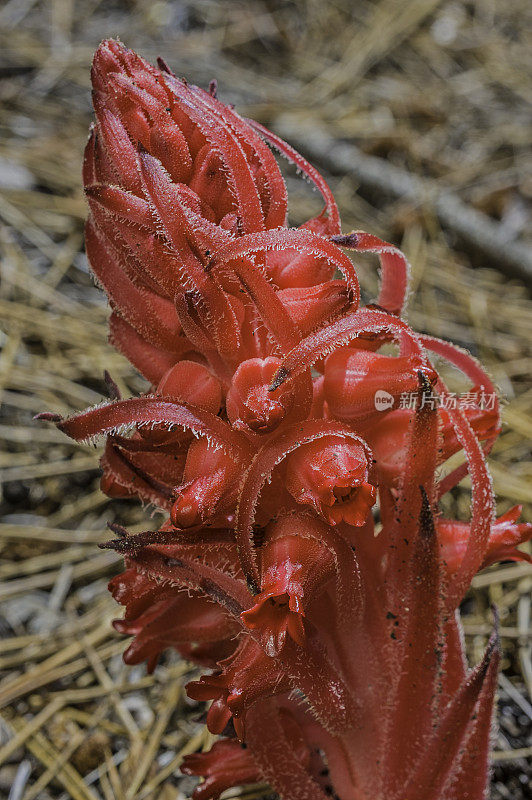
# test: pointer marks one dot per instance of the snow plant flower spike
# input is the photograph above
(273, 428)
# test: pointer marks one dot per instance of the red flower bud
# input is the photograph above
(249, 403)
(354, 377)
(192, 383)
(112, 488)
(207, 488)
(311, 306)
(188, 382)
(291, 268)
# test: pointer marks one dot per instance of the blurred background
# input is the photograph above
(419, 114)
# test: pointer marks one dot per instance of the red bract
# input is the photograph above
(333, 640)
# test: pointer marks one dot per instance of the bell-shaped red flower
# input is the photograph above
(331, 475)
(245, 677)
(295, 565)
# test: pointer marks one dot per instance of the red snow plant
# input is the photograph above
(294, 438)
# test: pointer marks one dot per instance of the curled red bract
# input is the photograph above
(304, 561)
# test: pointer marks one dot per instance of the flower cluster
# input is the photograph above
(304, 563)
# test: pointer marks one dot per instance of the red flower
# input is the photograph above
(354, 376)
(333, 640)
(208, 486)
(388, 436)
(295, 565)
(228, 763)
(250, 405)
(171, 618)
(243, 678)
(332, 476)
